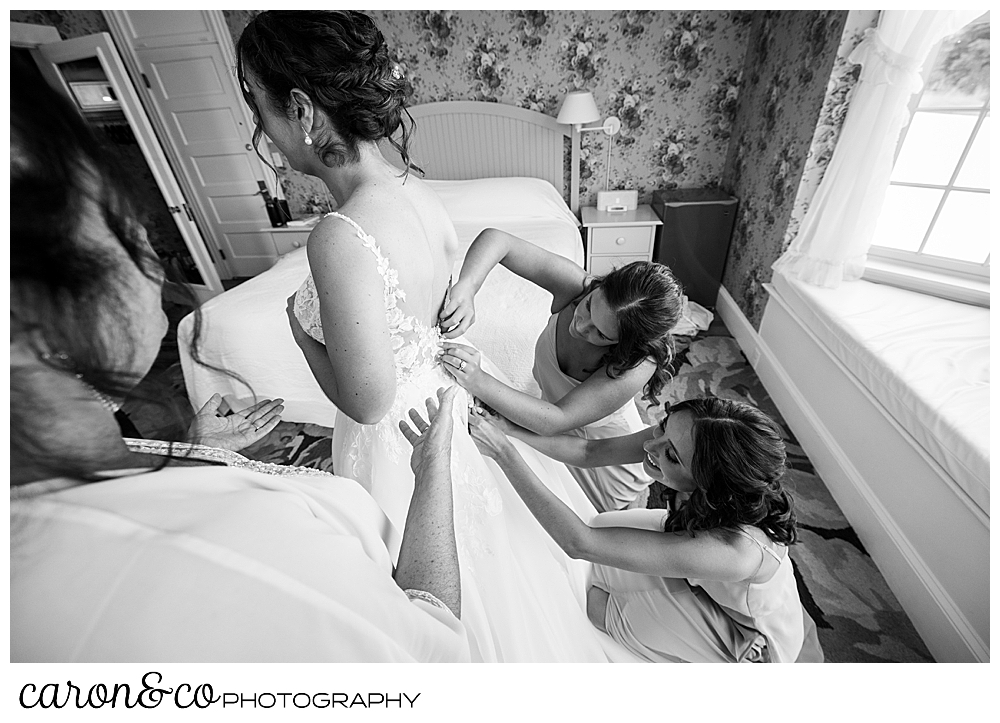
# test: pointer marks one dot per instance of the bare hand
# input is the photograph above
(459, 312)
(431, 439)
(482, 409)
(237, 430)
(488, 433)
(463, 364)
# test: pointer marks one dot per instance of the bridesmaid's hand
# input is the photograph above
(463, 363)
(459, 312)
(488, 436)
(484, 411)
(431, 439)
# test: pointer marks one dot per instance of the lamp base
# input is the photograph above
(614, 201)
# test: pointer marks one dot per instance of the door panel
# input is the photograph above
(201, 113)
(96, 55)
(158, 28)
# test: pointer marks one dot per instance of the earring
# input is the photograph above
(309, 140)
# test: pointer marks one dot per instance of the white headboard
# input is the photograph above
(458, 140)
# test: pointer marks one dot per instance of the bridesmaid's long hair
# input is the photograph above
(738, 465)
(646, 300)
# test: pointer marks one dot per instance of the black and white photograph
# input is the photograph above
(495, 336)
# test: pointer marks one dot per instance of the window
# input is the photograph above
(934, 224)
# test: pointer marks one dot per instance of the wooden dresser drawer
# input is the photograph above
(600, 265)
(287, 241)
(622, 240)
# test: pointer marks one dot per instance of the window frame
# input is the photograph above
(962, 280)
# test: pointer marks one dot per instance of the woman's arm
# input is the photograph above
(359, 373)
(554, 273)
(580, 452)
(428, 554)
(595, 398)
(708, 556)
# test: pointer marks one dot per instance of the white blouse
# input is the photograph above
(213, 564)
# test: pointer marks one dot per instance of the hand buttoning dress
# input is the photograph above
(522, 597)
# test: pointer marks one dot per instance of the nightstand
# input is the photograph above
(616, 239)
(289, 238)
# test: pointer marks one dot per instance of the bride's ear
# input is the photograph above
(302, 107)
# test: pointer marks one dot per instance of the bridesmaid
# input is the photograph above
(710, 581)
(608, 339)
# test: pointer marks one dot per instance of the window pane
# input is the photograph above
(962, 230)
(906, 215)
(961, 73)
(975, 171)
(934, 142)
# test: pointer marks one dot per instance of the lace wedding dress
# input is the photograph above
(523, 599)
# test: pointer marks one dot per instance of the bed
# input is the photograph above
(493, 166)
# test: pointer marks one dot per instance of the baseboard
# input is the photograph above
(739, 326)
(942, 625)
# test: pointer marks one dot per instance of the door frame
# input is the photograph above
(117, 22)
(34, 37)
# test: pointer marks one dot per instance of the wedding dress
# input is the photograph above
(523, 598)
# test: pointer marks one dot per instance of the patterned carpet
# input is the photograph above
(857, 616)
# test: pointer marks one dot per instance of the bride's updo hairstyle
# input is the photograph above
(738, 465)
(340, 60)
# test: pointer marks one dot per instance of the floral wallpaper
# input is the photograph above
(69, 23)
(673, 78)
(785, 83)
(726, 99)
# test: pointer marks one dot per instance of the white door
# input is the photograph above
(57, 59)
(189, 79)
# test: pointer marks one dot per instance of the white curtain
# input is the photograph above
(832, 244)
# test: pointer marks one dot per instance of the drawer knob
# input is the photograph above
(296, 244)
(620, 240)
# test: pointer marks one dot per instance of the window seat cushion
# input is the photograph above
(925, 359)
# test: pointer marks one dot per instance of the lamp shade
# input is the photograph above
(578, 107)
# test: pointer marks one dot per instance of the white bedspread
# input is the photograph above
(245, 330)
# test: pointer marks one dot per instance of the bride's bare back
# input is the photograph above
(380, 268)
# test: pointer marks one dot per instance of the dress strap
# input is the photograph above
(361, 232)
(389, 276)
(761, 545)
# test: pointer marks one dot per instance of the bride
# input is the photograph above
(322, 87)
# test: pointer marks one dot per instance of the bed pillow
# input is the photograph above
(516, 197)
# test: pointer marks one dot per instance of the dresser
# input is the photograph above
(616, 239)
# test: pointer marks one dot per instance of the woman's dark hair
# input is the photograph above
(646, 300)
(63, 288)
(738, 463)
(340, 60)
(67, 295)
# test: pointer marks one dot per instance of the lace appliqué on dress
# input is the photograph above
(476, 498)
(415, 348)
